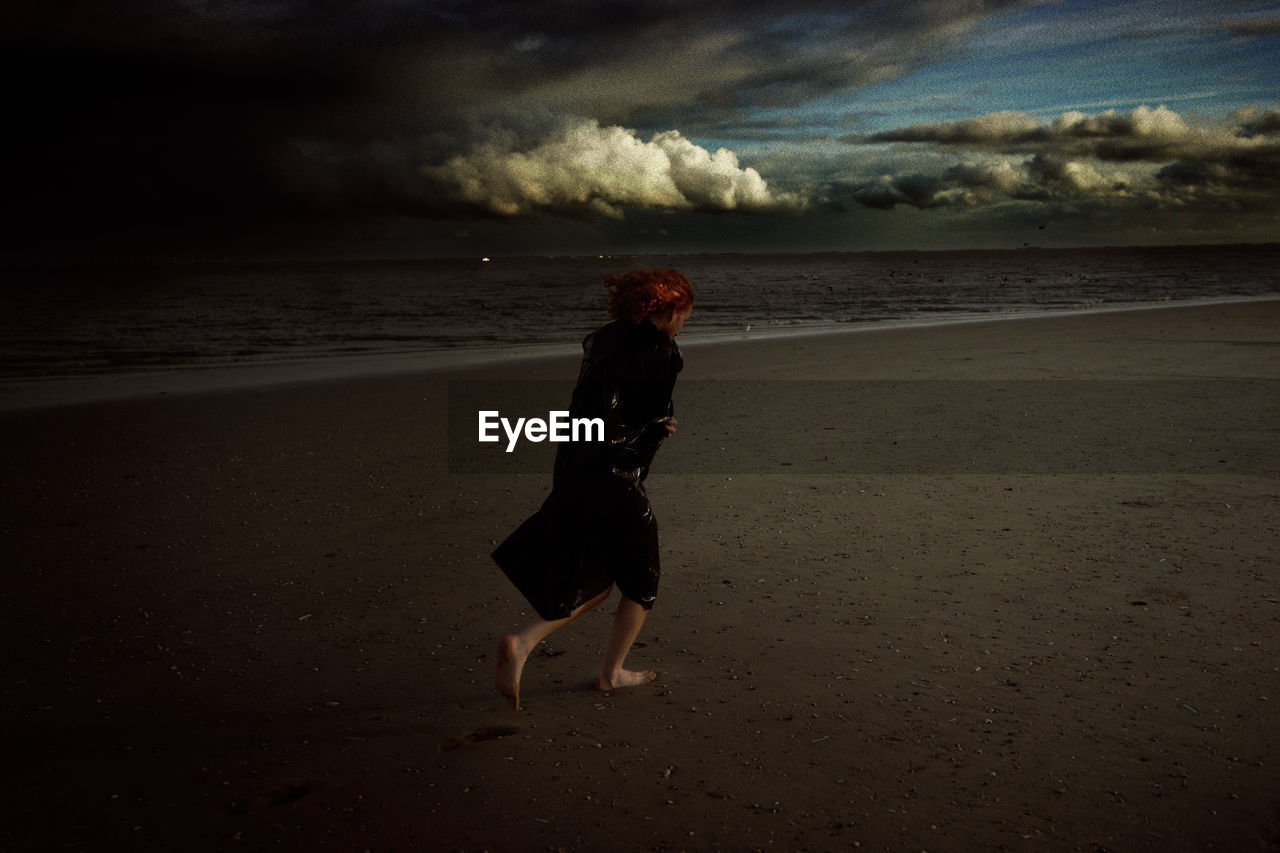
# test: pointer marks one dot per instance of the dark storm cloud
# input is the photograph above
(1267, 124)
(994, 131)
(195, 110)
(1146, 157)
(1260, 26)
(966, 185)
(1141, 134)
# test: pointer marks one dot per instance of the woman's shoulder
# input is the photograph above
(629, 338)
(607, 337)
(656, 348)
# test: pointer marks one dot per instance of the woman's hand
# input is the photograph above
(671, 427)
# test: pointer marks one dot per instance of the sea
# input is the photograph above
(74, 322)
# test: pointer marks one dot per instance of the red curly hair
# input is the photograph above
(639, 293)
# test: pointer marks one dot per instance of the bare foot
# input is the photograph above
(510, 665)
(625, 678)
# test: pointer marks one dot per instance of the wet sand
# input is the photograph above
(266, 618)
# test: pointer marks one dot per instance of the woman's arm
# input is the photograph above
(640, 413)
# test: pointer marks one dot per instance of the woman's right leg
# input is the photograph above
(514, 649)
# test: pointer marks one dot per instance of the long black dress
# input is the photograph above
(596, 528)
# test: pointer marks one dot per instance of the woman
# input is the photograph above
(596, 528)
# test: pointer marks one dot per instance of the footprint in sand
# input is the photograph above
(272, 798)
(476, 735)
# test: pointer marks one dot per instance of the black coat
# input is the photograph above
(596, 528)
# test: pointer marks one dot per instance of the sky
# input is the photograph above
(423, 128)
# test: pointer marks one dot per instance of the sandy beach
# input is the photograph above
(1005, 585)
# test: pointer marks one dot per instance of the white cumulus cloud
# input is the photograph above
(584, 168)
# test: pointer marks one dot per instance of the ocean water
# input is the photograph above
(60, 323)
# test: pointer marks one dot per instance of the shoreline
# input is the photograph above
(18, 394)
